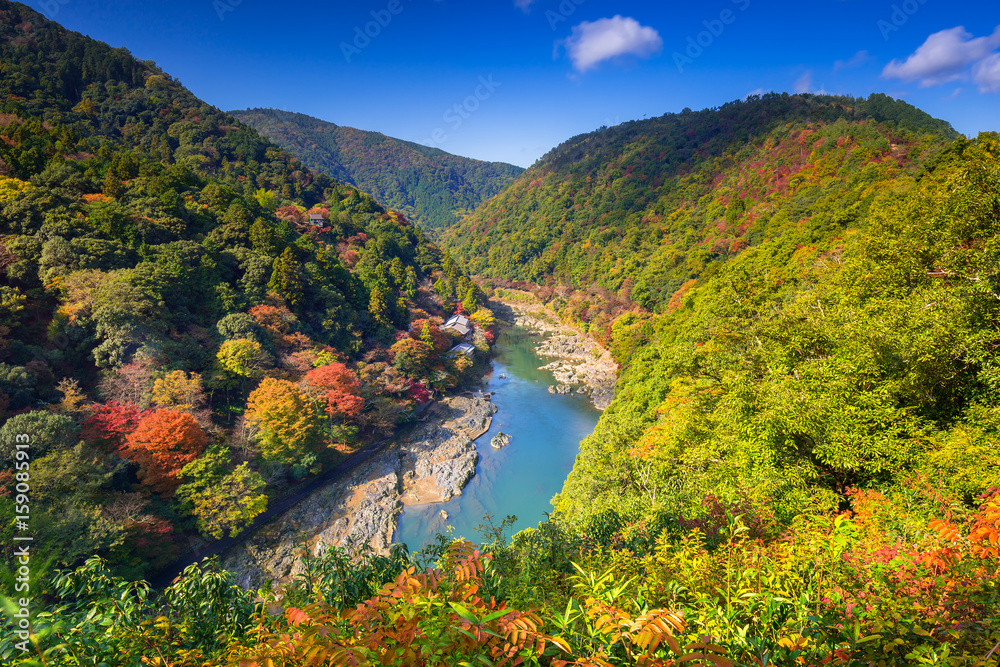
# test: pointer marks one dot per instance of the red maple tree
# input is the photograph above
(110, 423)
(162, 444)
(338, 387)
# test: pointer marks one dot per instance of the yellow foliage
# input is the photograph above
(178, 390)
(86, 107)
(78, 289)
(12, 187)
(484, 318)
(72, 399)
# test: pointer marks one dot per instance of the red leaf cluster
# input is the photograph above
(111, 422)
(340, 388)
(162, 444)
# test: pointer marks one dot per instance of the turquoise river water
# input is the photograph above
(522, 477)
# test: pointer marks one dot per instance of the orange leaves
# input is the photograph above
(464, 560)
(90, 199)
(983, 540)
(439, 617)
(276, 320)
(608, 620)
(340, 387)
(519, 631)
(940, 561)
(656, 627)
(947, 532)
(985, 535)
(678, 297)
(163, 443)
(296, 616)
(416, 619)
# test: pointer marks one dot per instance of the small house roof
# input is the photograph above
(459, 319)
(459, 323)
(463, 348)
(460, 328)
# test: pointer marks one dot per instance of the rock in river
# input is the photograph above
(500, 440)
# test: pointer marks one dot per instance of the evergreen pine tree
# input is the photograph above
(112, 185)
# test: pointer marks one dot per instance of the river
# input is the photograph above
(521, 478)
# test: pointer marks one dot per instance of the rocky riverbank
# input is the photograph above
(581, 365)
(432, 462)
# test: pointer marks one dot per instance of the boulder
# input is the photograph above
(500, 440)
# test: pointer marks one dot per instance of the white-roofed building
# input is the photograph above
(459, 324)
(462, 348)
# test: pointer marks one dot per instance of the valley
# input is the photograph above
(713, 387)
(519, 479)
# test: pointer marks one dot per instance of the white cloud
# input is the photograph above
(858, 59)
(524, 5)
(756, 91)
(594, 42)
(943, 57)
(986, 74)
(804, 83)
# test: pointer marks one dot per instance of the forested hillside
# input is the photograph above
(433, 188)
(648, 205)
(180, 343)
(802, 295)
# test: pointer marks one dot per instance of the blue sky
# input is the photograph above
(510, 79)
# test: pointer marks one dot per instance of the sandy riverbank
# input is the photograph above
(432, 462)
(581, 365)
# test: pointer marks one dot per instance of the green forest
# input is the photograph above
(432, 188)
(801, 465)
(183, 343)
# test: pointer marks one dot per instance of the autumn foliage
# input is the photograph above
(111, 422)
(429, 332)
(288, 418)
(178, 390)
(162, 444)
(339, 388)
(446, 616)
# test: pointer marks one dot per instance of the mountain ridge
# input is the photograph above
(578, 212)
(428, 184)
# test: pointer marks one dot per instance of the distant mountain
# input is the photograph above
(432, 187)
